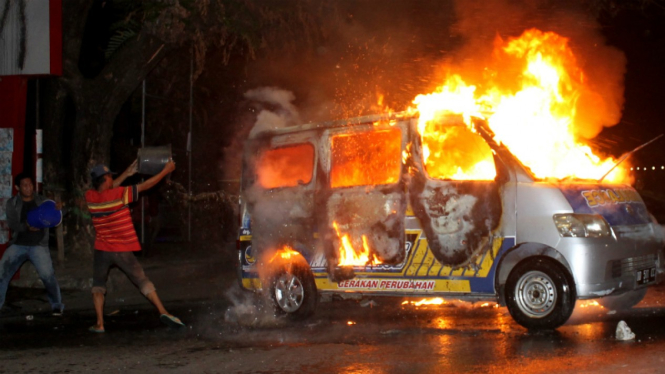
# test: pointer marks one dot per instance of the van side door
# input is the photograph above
(454, 191)
(364, 195)
(278, 186)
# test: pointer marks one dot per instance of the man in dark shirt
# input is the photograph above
(28, 243)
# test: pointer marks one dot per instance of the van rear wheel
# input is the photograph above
(539, 295)
(293, 291)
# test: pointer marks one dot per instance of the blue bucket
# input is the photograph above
(45, 215)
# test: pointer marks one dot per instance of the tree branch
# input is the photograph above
(75, 15)
(126, 69)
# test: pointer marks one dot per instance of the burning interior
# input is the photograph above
(369, 158)
(286, 166)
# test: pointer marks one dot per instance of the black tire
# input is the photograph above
(624, 301)
(293, 291)
(539, 294)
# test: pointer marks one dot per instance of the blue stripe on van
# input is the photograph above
(618, 204)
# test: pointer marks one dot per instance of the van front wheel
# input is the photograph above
(539, 295)
(293, 291)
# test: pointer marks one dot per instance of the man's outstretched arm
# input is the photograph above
(131, 170)
(169, 167)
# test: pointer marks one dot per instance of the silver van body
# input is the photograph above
(532, 245)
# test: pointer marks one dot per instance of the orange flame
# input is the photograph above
(285, 166)
(428, 301)
(589, 303)
(348, 256)
(284, 253)
(366, 158)
(533, 113)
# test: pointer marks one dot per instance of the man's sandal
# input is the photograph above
(171, 321)
(95, 329)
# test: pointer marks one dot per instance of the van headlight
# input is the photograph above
(581, 225)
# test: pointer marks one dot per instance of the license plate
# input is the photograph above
(645, 276)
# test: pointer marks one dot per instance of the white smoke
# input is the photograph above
(250, 309)
(279, 113)
(276, 110)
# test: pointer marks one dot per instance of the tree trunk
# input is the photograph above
(56, 142)
(91, 105)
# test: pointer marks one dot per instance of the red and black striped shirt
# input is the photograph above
(111, 219)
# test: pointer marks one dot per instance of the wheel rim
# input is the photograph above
(289, 292)
(535, 294)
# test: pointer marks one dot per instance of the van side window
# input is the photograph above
(456, 153)
(366, 158)
(285, 166)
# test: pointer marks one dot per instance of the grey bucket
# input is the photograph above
(153, 159)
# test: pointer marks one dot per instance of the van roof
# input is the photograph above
(405, 115)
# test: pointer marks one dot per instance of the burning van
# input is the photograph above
(370, 206)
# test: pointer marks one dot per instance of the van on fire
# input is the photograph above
(366, 206)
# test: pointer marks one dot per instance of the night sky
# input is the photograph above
(641, 36)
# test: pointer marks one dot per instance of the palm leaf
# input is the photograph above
(120, 37)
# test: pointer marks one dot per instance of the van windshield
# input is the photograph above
(456, 153)
(366, 158)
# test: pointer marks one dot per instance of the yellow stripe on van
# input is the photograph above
(445, 285)
(457, 272)
(489, 258)
(445, 271)
(427, 263)
(325, 284)
(391, 285)
(481, 262)
(418, 255)
(434, 270)
(251, 283)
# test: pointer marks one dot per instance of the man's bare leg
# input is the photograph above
(164, 316)
(154, 299)
(98, 300)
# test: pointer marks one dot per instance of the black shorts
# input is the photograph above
(125, 261)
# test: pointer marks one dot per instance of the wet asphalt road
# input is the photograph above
(344, 336)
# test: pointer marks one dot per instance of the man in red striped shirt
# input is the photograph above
(116, 238)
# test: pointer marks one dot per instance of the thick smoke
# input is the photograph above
(275, 110)
(278, 110)
(274, 226)
(250, 309)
